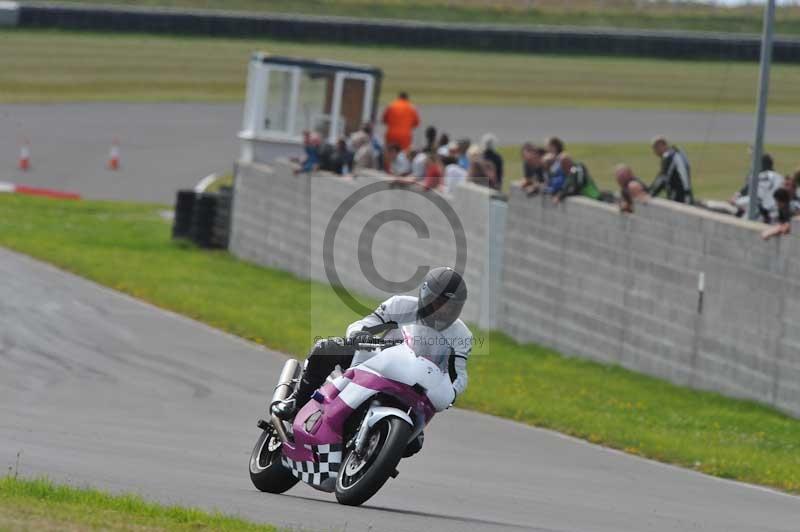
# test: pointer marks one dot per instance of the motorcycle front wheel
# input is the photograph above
(360, 477)
(267, 472)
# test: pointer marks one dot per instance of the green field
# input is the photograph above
(613, 13)
(718, 170)
(127, 247)
(106, 67)
(41, 506)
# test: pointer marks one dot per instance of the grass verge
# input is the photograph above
(611, 13)
(718, 169)
(43, 506)
(127, 247)
(125, 67)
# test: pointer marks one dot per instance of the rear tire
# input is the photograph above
(360, 479)
(267, 472)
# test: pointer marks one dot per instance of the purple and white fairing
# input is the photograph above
(418, 383)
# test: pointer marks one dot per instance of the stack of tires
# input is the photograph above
(184, 207)
(221, 228)
(203, 217)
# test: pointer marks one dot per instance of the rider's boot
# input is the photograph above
(290, 406)
(323, 358)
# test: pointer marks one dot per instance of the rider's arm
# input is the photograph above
(397, 309)
(460, 384)
(461, 351)
(362, 324)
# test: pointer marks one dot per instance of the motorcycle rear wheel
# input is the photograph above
(267, 472)
(360, 478)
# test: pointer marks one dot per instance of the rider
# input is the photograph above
(441, 298)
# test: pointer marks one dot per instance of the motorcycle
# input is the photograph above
(350, 437)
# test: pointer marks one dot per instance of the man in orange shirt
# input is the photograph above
(401, 118)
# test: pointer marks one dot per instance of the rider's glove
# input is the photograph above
(362, 337)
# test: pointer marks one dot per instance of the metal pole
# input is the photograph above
(761, 112)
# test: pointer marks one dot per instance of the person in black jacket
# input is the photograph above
(674, 176)
(489, 144)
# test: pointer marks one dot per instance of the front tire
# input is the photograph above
(361, 477)
(267, 472)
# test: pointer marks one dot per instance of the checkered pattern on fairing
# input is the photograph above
(315, 473)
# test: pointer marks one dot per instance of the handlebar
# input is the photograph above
(379, 343)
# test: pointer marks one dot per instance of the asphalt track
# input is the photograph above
(167, 146)
(97, 388)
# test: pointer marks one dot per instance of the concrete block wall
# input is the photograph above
(280, 220)
(270, 219)
(578, 277)
(588, 281)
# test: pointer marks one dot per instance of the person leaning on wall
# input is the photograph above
(534, 173)
(785, 214)
(631, 188)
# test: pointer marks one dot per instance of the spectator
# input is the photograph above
(420, 158)
(454, 174)
(377, 147)
(631, 188)
(432, 179)
(558, 164)
(790, 183)
(400, 118)
(768, 182)
(430, 139)
(558, 167)
(481, 171)
(452, 151)
(311, 149)
(533, 170)
(579, 182)
(434, 173)
(419, 164)
(674, 175)
(363, 153)
(462, 147)
(489, 143)
(396, 161)
(783, 199)
(554, 146)
(340, 159)
(443, 145)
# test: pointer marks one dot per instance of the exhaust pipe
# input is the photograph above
(291, 372)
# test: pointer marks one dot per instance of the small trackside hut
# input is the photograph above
(286, 96)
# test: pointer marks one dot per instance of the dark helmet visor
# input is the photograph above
(440, 312)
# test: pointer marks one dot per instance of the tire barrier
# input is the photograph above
(532, 39)
(204, 218)
(201, 229)
(184, 206)
(221, 228)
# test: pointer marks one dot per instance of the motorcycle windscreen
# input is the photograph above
(428, 343)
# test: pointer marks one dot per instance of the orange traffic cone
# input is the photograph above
(113, 156)
(24, 156)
